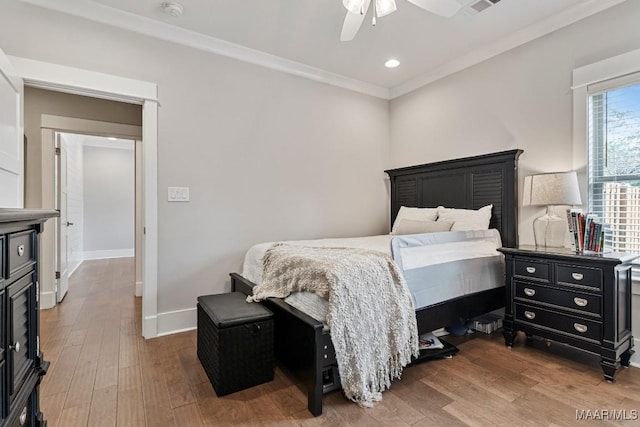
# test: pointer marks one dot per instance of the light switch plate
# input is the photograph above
(178, 194)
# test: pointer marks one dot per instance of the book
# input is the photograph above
(428, 341)
(573, 222)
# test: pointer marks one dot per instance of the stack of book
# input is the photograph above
(588, 231)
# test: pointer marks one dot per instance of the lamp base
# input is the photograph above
(550, 230)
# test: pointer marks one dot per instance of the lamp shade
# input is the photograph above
(558, 188)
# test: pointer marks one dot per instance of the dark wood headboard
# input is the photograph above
(467, 183)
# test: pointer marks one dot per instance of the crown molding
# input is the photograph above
(527, 34)
(167, 32)
(114, 17)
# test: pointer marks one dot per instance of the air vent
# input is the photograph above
(480, 6)
(473, 7)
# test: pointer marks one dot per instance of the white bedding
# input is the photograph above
(252, 267)
(437, 266)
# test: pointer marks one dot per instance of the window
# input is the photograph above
(614, 159)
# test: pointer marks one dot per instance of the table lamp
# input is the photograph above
(551, 189)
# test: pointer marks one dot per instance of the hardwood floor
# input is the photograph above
(104, 374)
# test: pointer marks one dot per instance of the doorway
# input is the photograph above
(54, 240)
(97, 197)
(70, 80)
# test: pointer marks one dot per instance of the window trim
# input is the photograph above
(601, 72)
(599, 75)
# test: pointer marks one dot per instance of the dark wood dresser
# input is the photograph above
(21, 362)
(583, 300)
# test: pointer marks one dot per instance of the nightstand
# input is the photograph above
(583, 300)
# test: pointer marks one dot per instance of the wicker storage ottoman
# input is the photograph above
(235, 342)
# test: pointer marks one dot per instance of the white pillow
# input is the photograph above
(420, 214)
(413, 226)
(466, 219)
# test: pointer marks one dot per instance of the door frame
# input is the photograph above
(50, 125)
(61, 171)
(77, 81)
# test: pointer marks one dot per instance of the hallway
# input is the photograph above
(102, 371)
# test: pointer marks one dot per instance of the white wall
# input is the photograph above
(520, 99)
(266, 155)
(73, 146)
(109, 201)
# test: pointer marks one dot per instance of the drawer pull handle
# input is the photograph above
(581, 302)
(529, 292)
(20, 250)
(531, 270)
(577, 276)
(580, 327)
(15, 347)
(529, 315)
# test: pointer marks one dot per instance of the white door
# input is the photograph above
(11, 136)
(63, 223)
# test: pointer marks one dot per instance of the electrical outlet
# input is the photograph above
(178, 194)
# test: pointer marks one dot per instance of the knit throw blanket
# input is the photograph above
(370, 311)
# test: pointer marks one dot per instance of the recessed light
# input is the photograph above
(392, 63)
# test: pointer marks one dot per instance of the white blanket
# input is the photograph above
(371, 312)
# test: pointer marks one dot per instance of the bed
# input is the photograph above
(303, 345)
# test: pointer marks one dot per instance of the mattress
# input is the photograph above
(437, 266)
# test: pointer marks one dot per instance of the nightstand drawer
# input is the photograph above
(581, 276)
(532, 269)
(561, 298)
(578, 327)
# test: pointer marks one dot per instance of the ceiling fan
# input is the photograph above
(357, 9)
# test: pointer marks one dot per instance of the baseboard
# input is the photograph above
(47, 300)
(73, 270)
(635, 359)
(111, 253)
(173, 322)
(138, 291)
(150, 327)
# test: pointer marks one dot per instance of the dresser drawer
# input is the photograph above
(20, 250)
(580, 276)
(590, 304)
(575, 326)
(535, 270)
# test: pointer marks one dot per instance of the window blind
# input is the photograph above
(614, 159)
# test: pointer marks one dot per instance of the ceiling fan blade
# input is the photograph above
(353, 22)
(446, 8)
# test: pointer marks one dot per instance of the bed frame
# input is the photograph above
(306, 350)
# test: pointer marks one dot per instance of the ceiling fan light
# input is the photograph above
(354, 6)
(385, 7)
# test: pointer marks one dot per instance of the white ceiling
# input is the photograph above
(303, 35)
